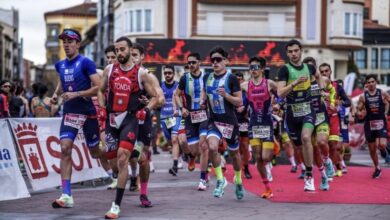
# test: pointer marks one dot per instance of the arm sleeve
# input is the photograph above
(344, 97)
(89, 66)
(283, 74)
(182, 83)
(332, 94)
(234, 84)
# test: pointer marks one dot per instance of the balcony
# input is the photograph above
(345, 42)
(354, 1)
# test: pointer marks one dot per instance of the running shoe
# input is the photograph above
(377, 173)
(145, 203)
(294, 169)
(219, 188)
(65, 201)
(133, 184)
(113, 213)
(113, 184)
(247, 173)
(302, 176)
(339, 173)
(180, 163)
(267, 194)
(191, 164)
(329, 170)
(173, 171)
(309, 184)
(324, 183)
(345, 170)
(239, 191)
(202, 185)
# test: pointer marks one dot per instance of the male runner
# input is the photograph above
(77, 82)
(294, 84)
(224, 95)
(243, 123)
(125, 81)
(376, 104)
(193, 110)
(261, 132)
(334, 120)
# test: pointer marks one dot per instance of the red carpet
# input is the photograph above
(356, 187)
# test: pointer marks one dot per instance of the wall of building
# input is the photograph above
(381, 11)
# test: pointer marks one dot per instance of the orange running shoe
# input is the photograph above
(191, 165)
(267, 194)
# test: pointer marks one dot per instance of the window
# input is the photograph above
(374, 58)
(366, 13)
(353, 25)
(53, 32)
(361, 59)
(385, 58)
(139, 20)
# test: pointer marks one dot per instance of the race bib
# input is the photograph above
(116, 119)
(225, 129)
(320, 117)
(376, 125)
(243, 127)
(75, 120)
(198, 116)
(301, 109)
(261, 131)
(170, 122)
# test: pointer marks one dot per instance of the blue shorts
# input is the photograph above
(174, 125)
(229, 132)
(90, 129)
(195, 130)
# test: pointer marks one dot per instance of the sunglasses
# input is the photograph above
(6, 86)
(168, 73)
(254, 67)
(192, 62)
(216, 59)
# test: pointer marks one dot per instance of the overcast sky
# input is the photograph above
(32, 23)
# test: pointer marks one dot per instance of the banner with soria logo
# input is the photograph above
(12, 185)
(40, 147)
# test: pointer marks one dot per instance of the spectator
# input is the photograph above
(5, 87)
(40, 104)
(16, 105)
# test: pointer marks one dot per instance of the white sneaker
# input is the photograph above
(65, 201)
(309, 184)
(151, 165)
(113, 184)
(180, 163)
(202, 185)
(113, 213)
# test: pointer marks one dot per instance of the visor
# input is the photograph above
(69, 34)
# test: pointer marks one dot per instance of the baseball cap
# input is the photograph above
(70, 33)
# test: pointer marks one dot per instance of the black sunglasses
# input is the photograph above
(192, 62)
(218, 59)
(168, 72)
(254, 67)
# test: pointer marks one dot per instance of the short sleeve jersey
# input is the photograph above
(74, 75)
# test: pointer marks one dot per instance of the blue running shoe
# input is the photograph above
(239, 191)
(219, 188)
(324, 184)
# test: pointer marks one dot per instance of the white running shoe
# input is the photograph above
(65, 201)
(309, 184)
(113, 184)
(202, 185)
(180, 163)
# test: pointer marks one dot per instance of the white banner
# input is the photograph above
(12, 185)
(39, 144)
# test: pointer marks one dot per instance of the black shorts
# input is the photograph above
(195, 130)
(295, 126)
(373, 133)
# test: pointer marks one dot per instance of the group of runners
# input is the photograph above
(202, 115)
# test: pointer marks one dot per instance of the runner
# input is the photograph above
(193, 110)
(125, 82)
(261, 132)
(224, 95)
(243, 123)
(78, 81)
(294, 84)
(170, 122)
(334, 120)
(373, 105)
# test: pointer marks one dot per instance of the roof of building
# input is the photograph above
(370, 24)
(85, 9)
(375, 33)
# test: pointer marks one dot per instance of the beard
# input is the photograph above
(123, 60)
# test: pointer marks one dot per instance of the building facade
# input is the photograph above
(105, 28)
(9, 44)
(328, 29)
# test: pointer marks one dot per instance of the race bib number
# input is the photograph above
(301, 109)
(170, 122)
(320, 117)
(376, 125)
(225, 129)
(261, 131)
(198, 116)
(116, 119)
(75, 120)
(243, 127)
